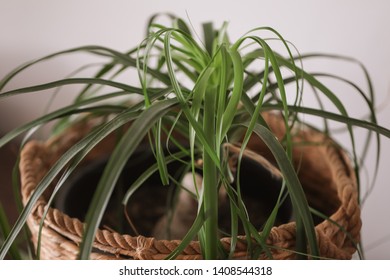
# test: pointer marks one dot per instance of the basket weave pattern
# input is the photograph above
(331, 177)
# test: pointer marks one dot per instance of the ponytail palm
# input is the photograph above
(206, 94)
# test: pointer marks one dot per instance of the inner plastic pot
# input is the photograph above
(260, 191)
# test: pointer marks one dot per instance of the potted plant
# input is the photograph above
(221, 132)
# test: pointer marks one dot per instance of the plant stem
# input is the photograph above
(210, 179)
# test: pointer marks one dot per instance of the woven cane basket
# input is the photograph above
(324, 171)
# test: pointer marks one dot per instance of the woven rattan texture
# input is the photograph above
(323, 165)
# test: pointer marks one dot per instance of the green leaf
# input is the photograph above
(293, 184)
(231, 107)
(209, 35)
(127, 145)
(210, 180)
(124, 59)
(71, 81)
